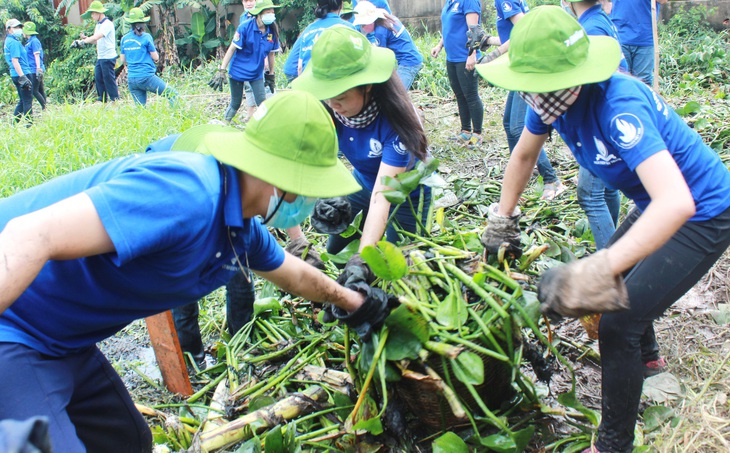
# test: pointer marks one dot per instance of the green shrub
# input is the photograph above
(71, 77)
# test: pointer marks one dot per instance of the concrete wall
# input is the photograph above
(722, 10)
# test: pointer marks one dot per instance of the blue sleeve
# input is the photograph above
(163, 144)
(534, 124)
(510, 7)
(150, 44)
(264, 253)
(17, 50)
(473, 6)
(633, 129)
(35, 46)
(238, 37)
(394, 152)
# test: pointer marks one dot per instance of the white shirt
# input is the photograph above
(106, 46)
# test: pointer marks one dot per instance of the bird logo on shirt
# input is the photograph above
(603, 157)
(506, 7)
(626, 130)
(400, 148)
(376, 149)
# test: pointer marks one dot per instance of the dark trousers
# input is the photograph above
(259, 93)
(653, 284)
(24, 109)
(240, 296)
(106, 80)
(465, 86)
(85, 401)
(39, 91)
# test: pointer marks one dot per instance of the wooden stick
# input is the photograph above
(655, 37)
(168, 353)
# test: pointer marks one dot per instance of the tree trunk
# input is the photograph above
(168, 24)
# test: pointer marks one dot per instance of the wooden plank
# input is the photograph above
(163, 337)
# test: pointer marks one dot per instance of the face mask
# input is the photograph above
(568, 9)
(18, 34)
(283, 215)
(268, 18)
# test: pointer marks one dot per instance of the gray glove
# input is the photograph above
(303, 249)
(219, 79)
(24, 82)
(270, 81)
(356, 270)
(582, 287)
(39, 75)
(372, 312)
(502, 230)
(474, 37)
(331, 215)
(493, 55)
(78, 44)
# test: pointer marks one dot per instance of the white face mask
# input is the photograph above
(268, 18)
(568, 8)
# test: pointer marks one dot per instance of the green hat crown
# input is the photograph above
(548, 41)
(262, 5)
(29, 28)
(340, 52)
(95, 7)
(135, 15)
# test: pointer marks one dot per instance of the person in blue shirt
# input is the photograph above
(625, 134)
(347, 12)
(256, 39)
(633, 22)
(34, 49)
(138, 51)
(84, 255)
(291, 64)
(456, 19)
(17, 59)
(385, 30)
(378, 128)
(327, 13)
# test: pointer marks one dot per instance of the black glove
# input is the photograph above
(331, 215)
(25, 83)
(493, 55)
(118, 70)
(39, 75)
(218, 80)
(270, 81)
(502, 230)
(78, 44)
(372, 312)
(303, 249)
(474, 37)
(582, 287)
(356, 270)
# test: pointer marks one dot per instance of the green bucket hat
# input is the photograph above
(135, 16)
(346, 8)
(342, 58)
(550, 51)
(95, 7)
(290, 143)
(262, 5)
(29, 29)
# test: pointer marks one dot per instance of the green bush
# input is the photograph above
(71, 77)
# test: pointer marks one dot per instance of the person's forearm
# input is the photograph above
(377, 218)
(518, 171)
(122, 60)
(272, 62)
(37, 61)
(155, 56)
(227, 57)
(472, 18)
(16, 65)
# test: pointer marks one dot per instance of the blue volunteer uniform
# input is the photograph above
(292, 61)
(167, 254)
(32, 47)
(454, 27)
(244, 17)
(378, 3)
(14, 49)
(633, 21)
(597, 23)
(311, 33)
(506, 9)
(253, 47)
(136, 50)
(399, 41)
(623, 122)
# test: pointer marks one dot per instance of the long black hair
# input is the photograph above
(138, 28)
(326, 6)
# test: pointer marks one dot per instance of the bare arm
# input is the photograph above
(471, 60)
(122, 59)
(297, 277)
(437, 49)
(93, 38)
(670, 207)
(37, 56)
(155, 56)
(272, 61)
(65, 230)
(379, 209)
(519, 169)
(227, 57)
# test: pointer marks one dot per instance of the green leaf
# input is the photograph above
(402, 344)
(403, 319)
(569, 399)
(353, 227)
(523, 437)
(343, 255)
(274, 441)
(531, 305)
(212, 43)
(452, 312)
(394, 196)
(500, 442)
(449, 443)
(656, 416)
(386, 261)
(468, 368)
(266, 304)
(371, 425)
(259, 402)
(252, 445)
(391, 182)
(197, 25)
(689, 108)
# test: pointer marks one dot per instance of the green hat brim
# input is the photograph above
(227, 144)
(256, 11)
(136, 20)
(94, 9)
(604, 55)
(379, 69)
(29, 32)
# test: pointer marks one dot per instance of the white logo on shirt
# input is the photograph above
(630, 130)
(400, 148)
(376, 149)
(660, 105)
(603, 157)
(455, 9)
(506, 7)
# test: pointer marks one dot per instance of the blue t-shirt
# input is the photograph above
(14, 49)
(597, 23)
(169, 219)
(292, 61)
(136, 50)
(454, 27)
(633, 21)
(32, 47)
(252, 47)
(310, 35)
(378, 4)
(399, 41)
(505, 10)
(617, 124)
(244, 17)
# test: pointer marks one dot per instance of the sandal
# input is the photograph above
(654, 367)
(552, 190)
(463, 137)
(474, 141)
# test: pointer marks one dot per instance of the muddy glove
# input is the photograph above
(24, 82)
(78, 44)
(304, 250)
(331, 215)
(372, 312)
(356, 270)
(474, 37)
(502, 230)
(493, 55)
(270, 81)
(39, 75)
(218, 80)
(582, 287)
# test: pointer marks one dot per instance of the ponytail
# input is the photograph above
(327, 6)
